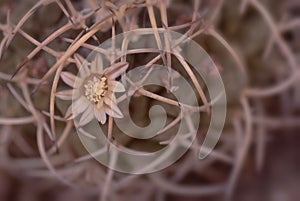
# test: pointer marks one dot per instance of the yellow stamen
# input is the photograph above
(95, 89)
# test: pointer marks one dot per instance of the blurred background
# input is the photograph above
(254, 43)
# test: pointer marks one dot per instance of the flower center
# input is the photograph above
(95, 89)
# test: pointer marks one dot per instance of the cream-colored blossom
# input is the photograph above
(94, 89)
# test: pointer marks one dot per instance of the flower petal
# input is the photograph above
(82, 65)
(108, 101)
(65, 94)
(87, 116)
(116, 86)
(113, 110)
(100, 115)
(112, 113)
(68, 78)
(116, 70)
(68, 114)
(97, 64)
(111, 95)
(80, 105)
